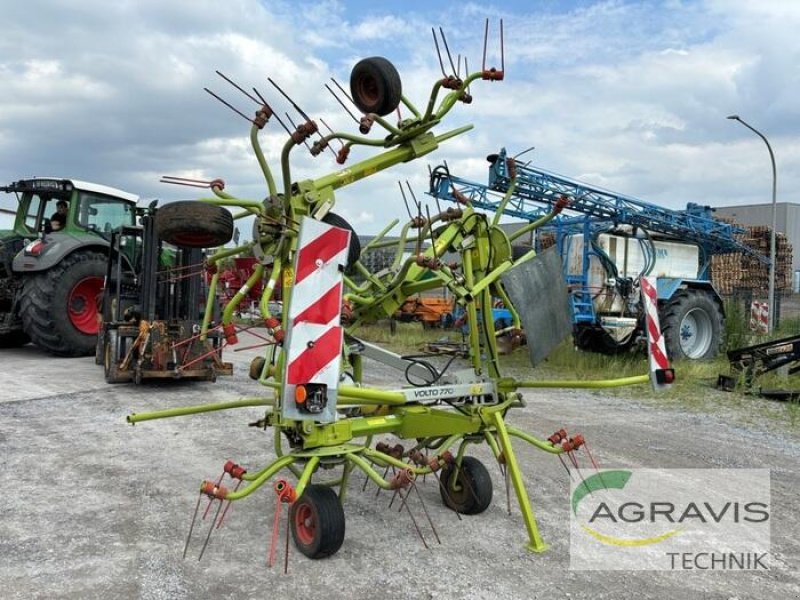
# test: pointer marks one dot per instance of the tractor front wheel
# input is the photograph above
(59, 307)
(317, 522)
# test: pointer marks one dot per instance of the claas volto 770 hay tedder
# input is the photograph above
(322, 413)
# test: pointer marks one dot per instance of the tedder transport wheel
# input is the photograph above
(194, 224)
(354, 251)
(317, 522)
(111, 358)
(59, 306)
(692, 325)
(470, 492)
(375, 86)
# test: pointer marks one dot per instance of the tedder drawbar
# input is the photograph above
(322, 414)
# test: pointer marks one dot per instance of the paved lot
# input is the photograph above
(95, 508)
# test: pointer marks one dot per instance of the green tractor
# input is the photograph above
(52, 263)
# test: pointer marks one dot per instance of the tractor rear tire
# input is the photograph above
(317, 522)
(375, 86)
(59, 307)
(692, 325)
(474, 492)
(14, 339)
(354, 251)
(194, 224)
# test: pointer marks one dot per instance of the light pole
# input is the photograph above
(771, 293)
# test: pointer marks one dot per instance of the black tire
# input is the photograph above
(375, 86)
(692, 325)
(14, 339)
(56, 313)
(317, 522)
(469, 492)
(194, 224)
(354, 251)
(596, 340)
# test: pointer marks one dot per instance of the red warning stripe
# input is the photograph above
(315, 357)
(323, 248)
(324, 310)
(649, 290)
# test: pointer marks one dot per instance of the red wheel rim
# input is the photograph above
(304, 524)
(82, 305)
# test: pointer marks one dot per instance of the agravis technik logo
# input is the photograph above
(670, 519)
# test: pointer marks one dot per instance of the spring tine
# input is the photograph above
(344, 106)
(260, 97)
(292, 102)
(228, 505)
(425, 510)
(561, 458)
(458, 66)
(443, 486)
(210, 499)
(430, 230)
(285, 128)
(234, 84)
(447, 50)
(295, 126)
(414, 520)
(191, 527)
(438, 52)
(485, 42)
(210, 529)
(286, 549)
(341, 89)
(594, 464)
(341, 143)
(502, 49)
(385, 471)
(466, 71)
(234, 109)
(403, 194)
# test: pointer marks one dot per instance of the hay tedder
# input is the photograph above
(323, 413)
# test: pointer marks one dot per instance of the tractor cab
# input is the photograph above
(83, 206)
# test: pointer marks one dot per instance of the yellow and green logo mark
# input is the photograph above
(608, 480)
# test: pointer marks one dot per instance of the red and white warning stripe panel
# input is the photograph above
(314, 336)
(661, 374)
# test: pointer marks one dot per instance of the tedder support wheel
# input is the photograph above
(375, 86)
(692, 324)
(317, 522)
(194, 224)
(59, 307)
(354, 251)
(470, 491)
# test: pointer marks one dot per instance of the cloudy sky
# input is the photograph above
(631, 96)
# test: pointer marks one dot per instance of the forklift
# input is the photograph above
(153, 303)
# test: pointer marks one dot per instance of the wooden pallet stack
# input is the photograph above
(737, 272)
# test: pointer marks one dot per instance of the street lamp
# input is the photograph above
(771, 293)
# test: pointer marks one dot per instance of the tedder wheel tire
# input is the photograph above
(317, 522)
(469, 492)
(375, 86)
(693, 325)
(354, 251)
(14, 339)
(194, 224)
(59, 307)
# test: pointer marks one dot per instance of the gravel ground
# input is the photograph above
(95, 508)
